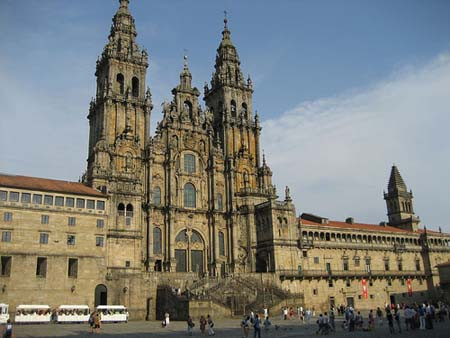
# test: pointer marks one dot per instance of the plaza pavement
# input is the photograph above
(224, 328)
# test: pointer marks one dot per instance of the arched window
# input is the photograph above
(187, 106)
(219, 202)
(135, 86)
(221, 244)
(189, 163)
(233, 108)
(157, 196)
(244, 110)
(120, 83)
(196, 237)
(157, 241)
(189, 195)
(182, 237)
(129, 210)
(121, 209)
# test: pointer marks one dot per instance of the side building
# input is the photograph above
(53, 242)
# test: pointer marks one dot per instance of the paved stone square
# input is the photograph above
(223, 328)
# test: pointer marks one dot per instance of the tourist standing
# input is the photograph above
(397, 320)
(371, 320)
(267, 324)
(202, 325)
(422, 317)
(245, 325)
(332, 324)
(190, 325)
(210, 326)
(390, 319)
(8, 330)
(285, 313)
(257, 327)
(380, 316)
(97, 322)
(167, 319)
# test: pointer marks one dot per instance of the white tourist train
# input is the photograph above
(72, 314)
(33, 314)
(113, 313)
(4, 315)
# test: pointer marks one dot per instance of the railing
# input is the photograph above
(305, 243)
(347, 273)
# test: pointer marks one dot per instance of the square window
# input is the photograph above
(72, 270)
(41, 267)
(3, 195)
(70, 239)
(359, 297)
(101, 205)
(389, 282)
(99, 241)
(305, 253)
(48, 200)
(90, 204)
(6, 236)
(127, 264)
(8, 217)
(347, 283)
(316, 260)
(45, 219)
(371, 297)
(37, 199)
(5, 269)
(357, 261)
(43, 238)
(72, 221)
(70, 202)
(14, 196)
(330, 283)
(25, 198)
(315, 292)
(80, 203)
(100, 223)
(59, 201)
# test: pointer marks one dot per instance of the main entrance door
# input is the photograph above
(190, 252)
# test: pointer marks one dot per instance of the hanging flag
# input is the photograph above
(365, 292)
(409, 284)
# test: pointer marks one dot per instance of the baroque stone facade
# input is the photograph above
(194, 208)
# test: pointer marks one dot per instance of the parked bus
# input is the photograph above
(4, 315)
(113, 313)
(33, 314)
(72, 314)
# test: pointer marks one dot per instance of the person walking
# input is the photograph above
(8, 330)
(371, 325)
(167, 318)
(245, 325)
(332, 317)
(380, 316)
(267, 324)
(210, 326)
(202, 325)
(257, 327)
(97, 322)
(190, 325)
(390, 319)
(397, 320)
(422, 317)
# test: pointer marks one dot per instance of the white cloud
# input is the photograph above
(336, 153)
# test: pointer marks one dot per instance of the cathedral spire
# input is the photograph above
(396, 182)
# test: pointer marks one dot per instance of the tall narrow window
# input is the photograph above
(6, 236)
(43, 238)
(129, 210)
(233, 108)
(417, 265)
(157, 196)
(8, 216)
(41, 267)
(3, 195)
(121, 209)
(99, 241)
(189, 195)
(100, 223)
(157, 241)
(219, 202)
(189, 163)
(244, 110)
(71, 221)
(135, 86)
(71, 240)
(72, 269)
(221, 244)
(45, 219)
(25, 198)
(120, 83)
(345, 264)
(6, 266)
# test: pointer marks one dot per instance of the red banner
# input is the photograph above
(365, 293)
(408, 283)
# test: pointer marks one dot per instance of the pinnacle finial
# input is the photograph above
(225, 19)
(264, 158)
(185, 58)
(124, 3)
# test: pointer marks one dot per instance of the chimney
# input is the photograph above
(350, 220)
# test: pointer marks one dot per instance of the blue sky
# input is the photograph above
(322, 69)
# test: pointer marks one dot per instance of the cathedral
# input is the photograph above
(165, 221)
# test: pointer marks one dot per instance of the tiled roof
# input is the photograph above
(45, 184)
(354, 226)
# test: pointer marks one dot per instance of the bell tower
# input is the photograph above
(399, 203)
(230, 101)
(119, 119)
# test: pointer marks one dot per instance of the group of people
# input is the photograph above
(206, 325)
(95, 322)
(254, 321)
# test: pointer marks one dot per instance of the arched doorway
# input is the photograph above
(101, 295)
(190, 252)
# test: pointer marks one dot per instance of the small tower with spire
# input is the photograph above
(399, 203)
